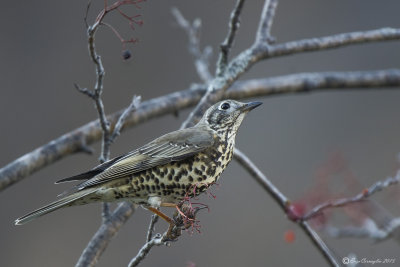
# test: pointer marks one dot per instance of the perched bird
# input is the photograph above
(164, 171)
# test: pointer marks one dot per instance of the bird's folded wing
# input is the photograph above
(174, 146)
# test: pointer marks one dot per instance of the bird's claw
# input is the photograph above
(174, 231)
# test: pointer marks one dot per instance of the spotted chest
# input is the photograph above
(175, 180)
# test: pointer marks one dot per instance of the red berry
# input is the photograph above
(289, 236)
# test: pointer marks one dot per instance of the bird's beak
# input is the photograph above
(249, 106)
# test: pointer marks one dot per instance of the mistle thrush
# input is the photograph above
(164, 171)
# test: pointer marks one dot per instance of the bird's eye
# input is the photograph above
(225, 106)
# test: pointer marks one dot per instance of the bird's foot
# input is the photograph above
(174, 231)
(185, 216)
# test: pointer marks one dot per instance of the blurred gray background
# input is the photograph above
(44, 51)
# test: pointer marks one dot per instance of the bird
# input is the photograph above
(163, 172)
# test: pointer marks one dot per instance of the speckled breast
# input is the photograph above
(175, 180)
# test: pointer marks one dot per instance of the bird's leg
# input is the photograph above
(184, 217)
(183, 213)
(161, 215)
(168, 205)
(172, 233)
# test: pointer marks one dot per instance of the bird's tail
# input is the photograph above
(63, 202)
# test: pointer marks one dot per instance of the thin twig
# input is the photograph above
(100, 72)
(193, 33)
(95, 95)
(366, 193)
(150, 231)
(264, 29)
(97, 91)
(87, 13)
(164, 239)
(283, 202)
(84, 91)
(328, 254)
(226, 45)
(157, 240)
(81, 138)
(134, 105)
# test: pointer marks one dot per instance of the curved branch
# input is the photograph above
(226, 46)
(283, 202)
(79, 139)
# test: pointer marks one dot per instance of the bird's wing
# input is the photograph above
(174, 146)
(90, 174)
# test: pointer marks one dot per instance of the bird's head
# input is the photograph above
(227, 115)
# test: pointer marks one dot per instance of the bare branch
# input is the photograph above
(329, 42)
(193, 33)
(312, 82)
(71, 143)
(367, 192)
(225, 47)
(104, 234)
